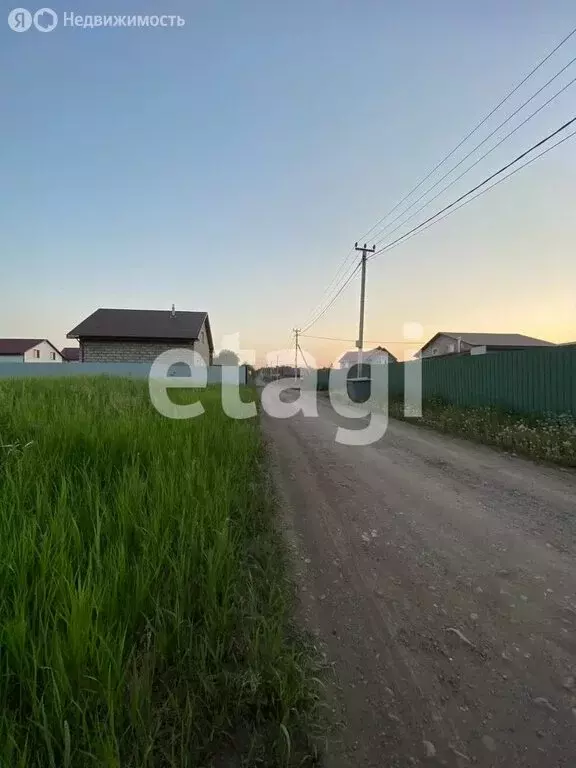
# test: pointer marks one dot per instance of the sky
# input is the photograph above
(229, 165)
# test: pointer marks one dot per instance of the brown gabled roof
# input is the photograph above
(72, 354)
(499, 339)
(142, 324)
(18, 346)
(502, 340)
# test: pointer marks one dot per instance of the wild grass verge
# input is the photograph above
(548, 437)
(144, 606)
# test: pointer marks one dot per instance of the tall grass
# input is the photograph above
(143, 600)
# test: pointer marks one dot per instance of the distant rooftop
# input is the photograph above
(17, 346)
(140, 324)
(497, 339)
(352, 356)
(72, 354)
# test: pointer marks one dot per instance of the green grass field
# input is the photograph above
(144, 604)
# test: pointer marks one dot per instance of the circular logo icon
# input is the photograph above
(45, 20)
(19, 20)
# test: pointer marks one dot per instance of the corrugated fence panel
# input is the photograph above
(570, 374)
(536, 380)
(546, 392)
(396, 379)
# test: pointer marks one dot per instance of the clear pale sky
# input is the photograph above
(229, 165)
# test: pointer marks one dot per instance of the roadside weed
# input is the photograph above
(144, 611)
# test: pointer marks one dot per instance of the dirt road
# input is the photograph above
(440, 577)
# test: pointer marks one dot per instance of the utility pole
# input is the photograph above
(360, 343)
(296, 334)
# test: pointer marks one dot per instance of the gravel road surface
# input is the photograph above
(440, 578)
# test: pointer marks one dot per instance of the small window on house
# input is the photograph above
(37, 354)
(434, 351)
(451, 347)
(202, 337)
(53, 355)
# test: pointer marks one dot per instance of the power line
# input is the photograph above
(451, 208)
(327, 307)
(303, 356)
(334, 281)
(319, 312)
(487, 189)
(481, 184)
(471, 133)
(434, 220)
(331, 338)
(447, 212)
(510, 133)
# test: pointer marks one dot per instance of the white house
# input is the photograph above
(376, 356)
(28, 351)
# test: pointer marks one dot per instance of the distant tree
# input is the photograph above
(226, 357)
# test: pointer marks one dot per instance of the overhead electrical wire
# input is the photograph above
(323, 311)
(429, 221)
(432, 219)
(320, 311)
(508, 175)
(471, 133)
(469, 168)
(327, 307)
(366, 341)
(453, 207)
(459, 163)
(334, 282)
(482, 192)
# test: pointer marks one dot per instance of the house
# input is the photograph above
(376, 356)
(28, 351)
(71, 354)
(447, 343)
(140, 335)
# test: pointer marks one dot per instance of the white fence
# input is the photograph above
(123, 370)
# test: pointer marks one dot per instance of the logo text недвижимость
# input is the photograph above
(46, 20)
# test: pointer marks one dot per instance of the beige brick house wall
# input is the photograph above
(202, 345)
(134, 351)
(128, 351)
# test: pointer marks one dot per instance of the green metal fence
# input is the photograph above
(537, 380)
